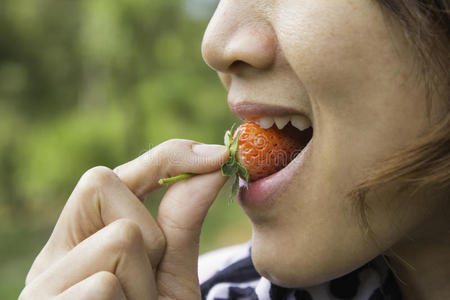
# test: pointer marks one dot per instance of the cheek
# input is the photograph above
(363, 104)
(334, 46)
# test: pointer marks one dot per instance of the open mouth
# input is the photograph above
(264, 189)
(297, 127)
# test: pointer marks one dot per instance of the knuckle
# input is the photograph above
(126, 236)
(105, 278)
(98, 175)
(173, 146)
(169, 153)
(32, 293)
(30, 276)
(95, 179)
(25, 294)
(173, 143)
(107, 285)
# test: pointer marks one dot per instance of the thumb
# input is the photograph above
(168, 159)
(181, 214)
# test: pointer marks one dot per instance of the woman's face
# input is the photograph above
(346, 68)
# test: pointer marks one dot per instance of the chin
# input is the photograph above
(291, 268)
(285, 269)
(283, 273)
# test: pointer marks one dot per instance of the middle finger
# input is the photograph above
(99, 199)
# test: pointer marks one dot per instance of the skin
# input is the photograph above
(106, 245)
(337, 62)
(346, 65)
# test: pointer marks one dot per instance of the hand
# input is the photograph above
(106, 245)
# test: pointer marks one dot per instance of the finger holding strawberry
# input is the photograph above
(106, 244)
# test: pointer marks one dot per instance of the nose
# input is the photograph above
(237, 35)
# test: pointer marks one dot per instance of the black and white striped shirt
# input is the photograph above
(229, 274)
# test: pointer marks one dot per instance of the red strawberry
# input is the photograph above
(263, 152)
(256, 152)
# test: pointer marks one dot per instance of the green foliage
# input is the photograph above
(96, 82)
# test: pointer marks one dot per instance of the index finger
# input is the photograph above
(168, 159)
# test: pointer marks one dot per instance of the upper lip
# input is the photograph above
(250, 110)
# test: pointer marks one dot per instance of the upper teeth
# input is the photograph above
(299, 122)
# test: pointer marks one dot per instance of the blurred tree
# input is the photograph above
(95, 82)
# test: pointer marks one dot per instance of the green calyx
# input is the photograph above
(232, 167)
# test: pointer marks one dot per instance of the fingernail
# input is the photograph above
(208, 150)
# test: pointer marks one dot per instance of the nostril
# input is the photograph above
(236, 65)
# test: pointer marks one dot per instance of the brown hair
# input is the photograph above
(426, 162)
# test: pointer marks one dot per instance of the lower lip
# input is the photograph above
(262, 193)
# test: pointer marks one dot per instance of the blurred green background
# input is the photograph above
(98, 82)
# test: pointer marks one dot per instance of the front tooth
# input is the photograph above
(266, 122)
(281, 121)
(300, 122)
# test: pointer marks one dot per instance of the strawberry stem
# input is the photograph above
(175, 178)
(230, 168)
